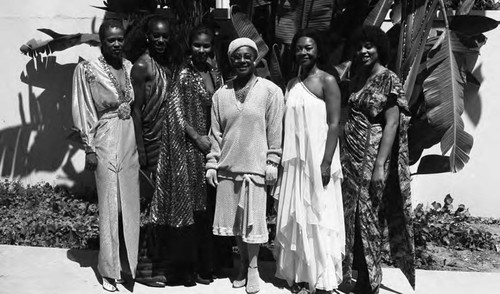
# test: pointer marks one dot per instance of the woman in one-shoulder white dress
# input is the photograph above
(310, 235)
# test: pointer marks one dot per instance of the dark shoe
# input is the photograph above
(151, 282)
(203, 280)
(189, 281)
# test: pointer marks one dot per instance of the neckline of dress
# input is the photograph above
(307, 89)
(370, 79)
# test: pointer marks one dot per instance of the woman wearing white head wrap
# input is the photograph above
(246, 150)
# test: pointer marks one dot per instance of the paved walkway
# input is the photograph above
(36, 270)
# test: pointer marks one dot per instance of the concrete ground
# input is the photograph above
(36, 270)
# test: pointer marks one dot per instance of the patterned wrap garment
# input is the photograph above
(180, 190)
(153, 112)
(101, 113)
(196, 102)
(385, 210)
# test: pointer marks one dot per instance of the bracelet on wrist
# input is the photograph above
(272, 163)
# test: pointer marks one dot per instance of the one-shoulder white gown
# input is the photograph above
(310, 234)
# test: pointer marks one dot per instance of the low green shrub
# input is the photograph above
(444, 226)
(41, 215)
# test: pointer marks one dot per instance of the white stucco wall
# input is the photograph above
(39, 151)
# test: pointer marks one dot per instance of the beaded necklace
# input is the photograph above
(241, 94)
(124, 96)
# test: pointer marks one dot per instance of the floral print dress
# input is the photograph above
(378, 212)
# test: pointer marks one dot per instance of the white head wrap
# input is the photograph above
(240, 42)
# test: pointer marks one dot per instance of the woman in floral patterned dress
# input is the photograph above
(376, 183)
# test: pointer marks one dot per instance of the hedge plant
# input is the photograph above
(41, 215)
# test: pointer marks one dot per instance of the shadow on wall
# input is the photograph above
(41, 143)
(472, 100)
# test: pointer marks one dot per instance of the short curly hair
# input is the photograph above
(310, 33)
(374, 35)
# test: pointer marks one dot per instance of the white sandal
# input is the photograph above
(253, 280)
(106, 285)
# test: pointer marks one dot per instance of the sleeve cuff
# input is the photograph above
(274, 158)
(211, 165)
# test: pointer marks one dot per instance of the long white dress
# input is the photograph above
(310, 234)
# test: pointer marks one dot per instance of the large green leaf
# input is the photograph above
(465, 7)
(275, 69)
(315, 14)
(414, 44)
(471, 25)
(416, 22)
(245, 28)
(378, 13)
(444, 91)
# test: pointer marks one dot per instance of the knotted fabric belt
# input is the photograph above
(246, 201)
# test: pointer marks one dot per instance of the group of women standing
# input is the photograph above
(247, 139)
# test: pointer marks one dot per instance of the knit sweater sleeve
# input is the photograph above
(215, 135)
(274, 125)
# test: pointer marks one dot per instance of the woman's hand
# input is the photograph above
(326, 173)
(91, 161)
(378, 177)
(211, 177)
(203, 143)
(271, 174)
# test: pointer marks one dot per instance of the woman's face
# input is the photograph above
(306, 52)
(201, 47)
(158, 36)
(242, 61)
(112, 43)
(367, 54)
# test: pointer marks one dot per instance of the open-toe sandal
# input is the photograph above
(109, 285)
(253, 280)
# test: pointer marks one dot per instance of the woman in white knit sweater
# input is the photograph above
(246, 131)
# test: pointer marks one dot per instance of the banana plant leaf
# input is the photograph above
(378, 13)
(275, 69)
(129, 6)
(444, 93)
(315, 14)
(465, 7)
(415, 44)
(59, 42)
(285, 22)
(433, 164)
(244, 28)
(471, 25)
(343, 70)
(415, 28)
